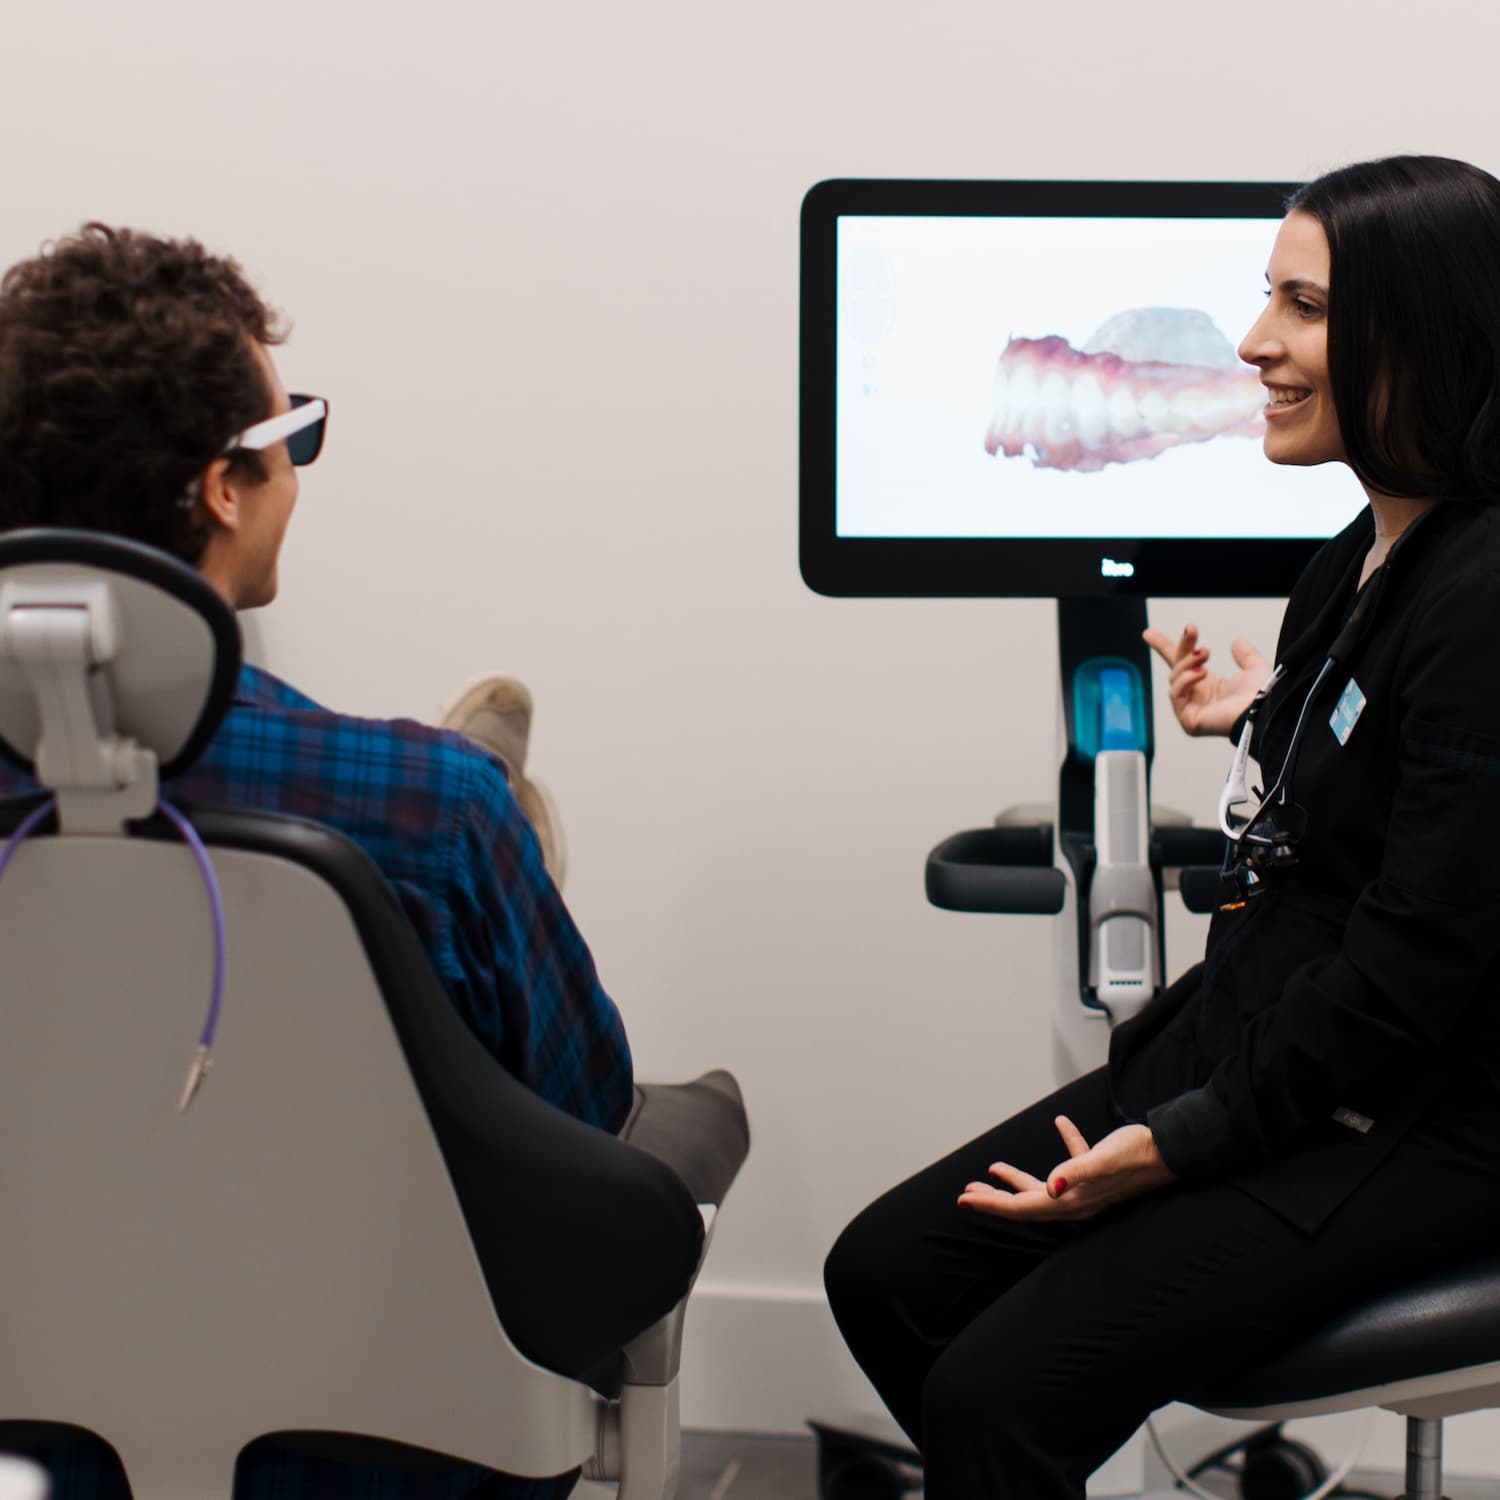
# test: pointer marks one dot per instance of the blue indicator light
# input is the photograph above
(1109, 707)
(1116, 705)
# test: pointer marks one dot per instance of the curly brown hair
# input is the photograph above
(127, 362)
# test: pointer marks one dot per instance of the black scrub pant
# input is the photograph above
(1018, 1358)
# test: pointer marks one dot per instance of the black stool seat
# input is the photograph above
(1448, 1321)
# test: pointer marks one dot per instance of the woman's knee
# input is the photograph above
(880, 1260)
(854, 1269)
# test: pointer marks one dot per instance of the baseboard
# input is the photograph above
(764, 1359)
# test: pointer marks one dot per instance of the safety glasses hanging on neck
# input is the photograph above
(1236, 794)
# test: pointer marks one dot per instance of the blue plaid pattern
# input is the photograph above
(437, 816)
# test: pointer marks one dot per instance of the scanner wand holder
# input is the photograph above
(1098, 858)
(1122, 904)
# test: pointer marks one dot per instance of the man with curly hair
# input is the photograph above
(139, 396)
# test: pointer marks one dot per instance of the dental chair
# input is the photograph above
(356, 1229)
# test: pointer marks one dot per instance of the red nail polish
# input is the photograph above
(1061, 1186)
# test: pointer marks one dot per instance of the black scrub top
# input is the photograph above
(1355, 1003)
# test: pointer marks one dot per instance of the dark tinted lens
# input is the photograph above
(303, 447)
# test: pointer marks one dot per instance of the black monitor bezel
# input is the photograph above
(1000, 567)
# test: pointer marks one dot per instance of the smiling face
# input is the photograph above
(1289, 345)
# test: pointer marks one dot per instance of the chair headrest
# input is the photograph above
(117, 662)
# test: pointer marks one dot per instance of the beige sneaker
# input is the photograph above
(495, 712)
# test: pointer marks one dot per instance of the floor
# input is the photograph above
(737, 1466)
(744, 1466)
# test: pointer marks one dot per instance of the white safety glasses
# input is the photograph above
(1238, 806)
(302, 430)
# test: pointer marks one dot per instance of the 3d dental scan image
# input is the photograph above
(1148, 380)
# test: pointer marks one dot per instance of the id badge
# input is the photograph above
(1350, 706)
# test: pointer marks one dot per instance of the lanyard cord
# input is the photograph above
(201, 1062)
(1281, 788)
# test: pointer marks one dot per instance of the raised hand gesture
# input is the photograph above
(1204, 702)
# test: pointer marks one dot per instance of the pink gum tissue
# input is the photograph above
(1070, 410)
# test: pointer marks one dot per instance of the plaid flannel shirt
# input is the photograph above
(437, 816)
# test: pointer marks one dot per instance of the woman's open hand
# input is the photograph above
(1123, 1165)
(1204, 702)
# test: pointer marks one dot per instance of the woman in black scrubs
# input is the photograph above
(1312, 1114)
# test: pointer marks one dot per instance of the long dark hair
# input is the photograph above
(1414, 322)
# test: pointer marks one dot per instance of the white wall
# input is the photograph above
(543, 260)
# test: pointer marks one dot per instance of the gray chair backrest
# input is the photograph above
(322, 1241)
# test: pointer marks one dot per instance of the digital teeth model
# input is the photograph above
(1148, 380)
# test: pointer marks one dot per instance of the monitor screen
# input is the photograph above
(1018, 388)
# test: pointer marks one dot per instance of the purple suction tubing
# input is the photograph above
(29, 822)
(210, 881)
(216, 905)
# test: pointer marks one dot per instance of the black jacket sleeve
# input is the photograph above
(1420, 937)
